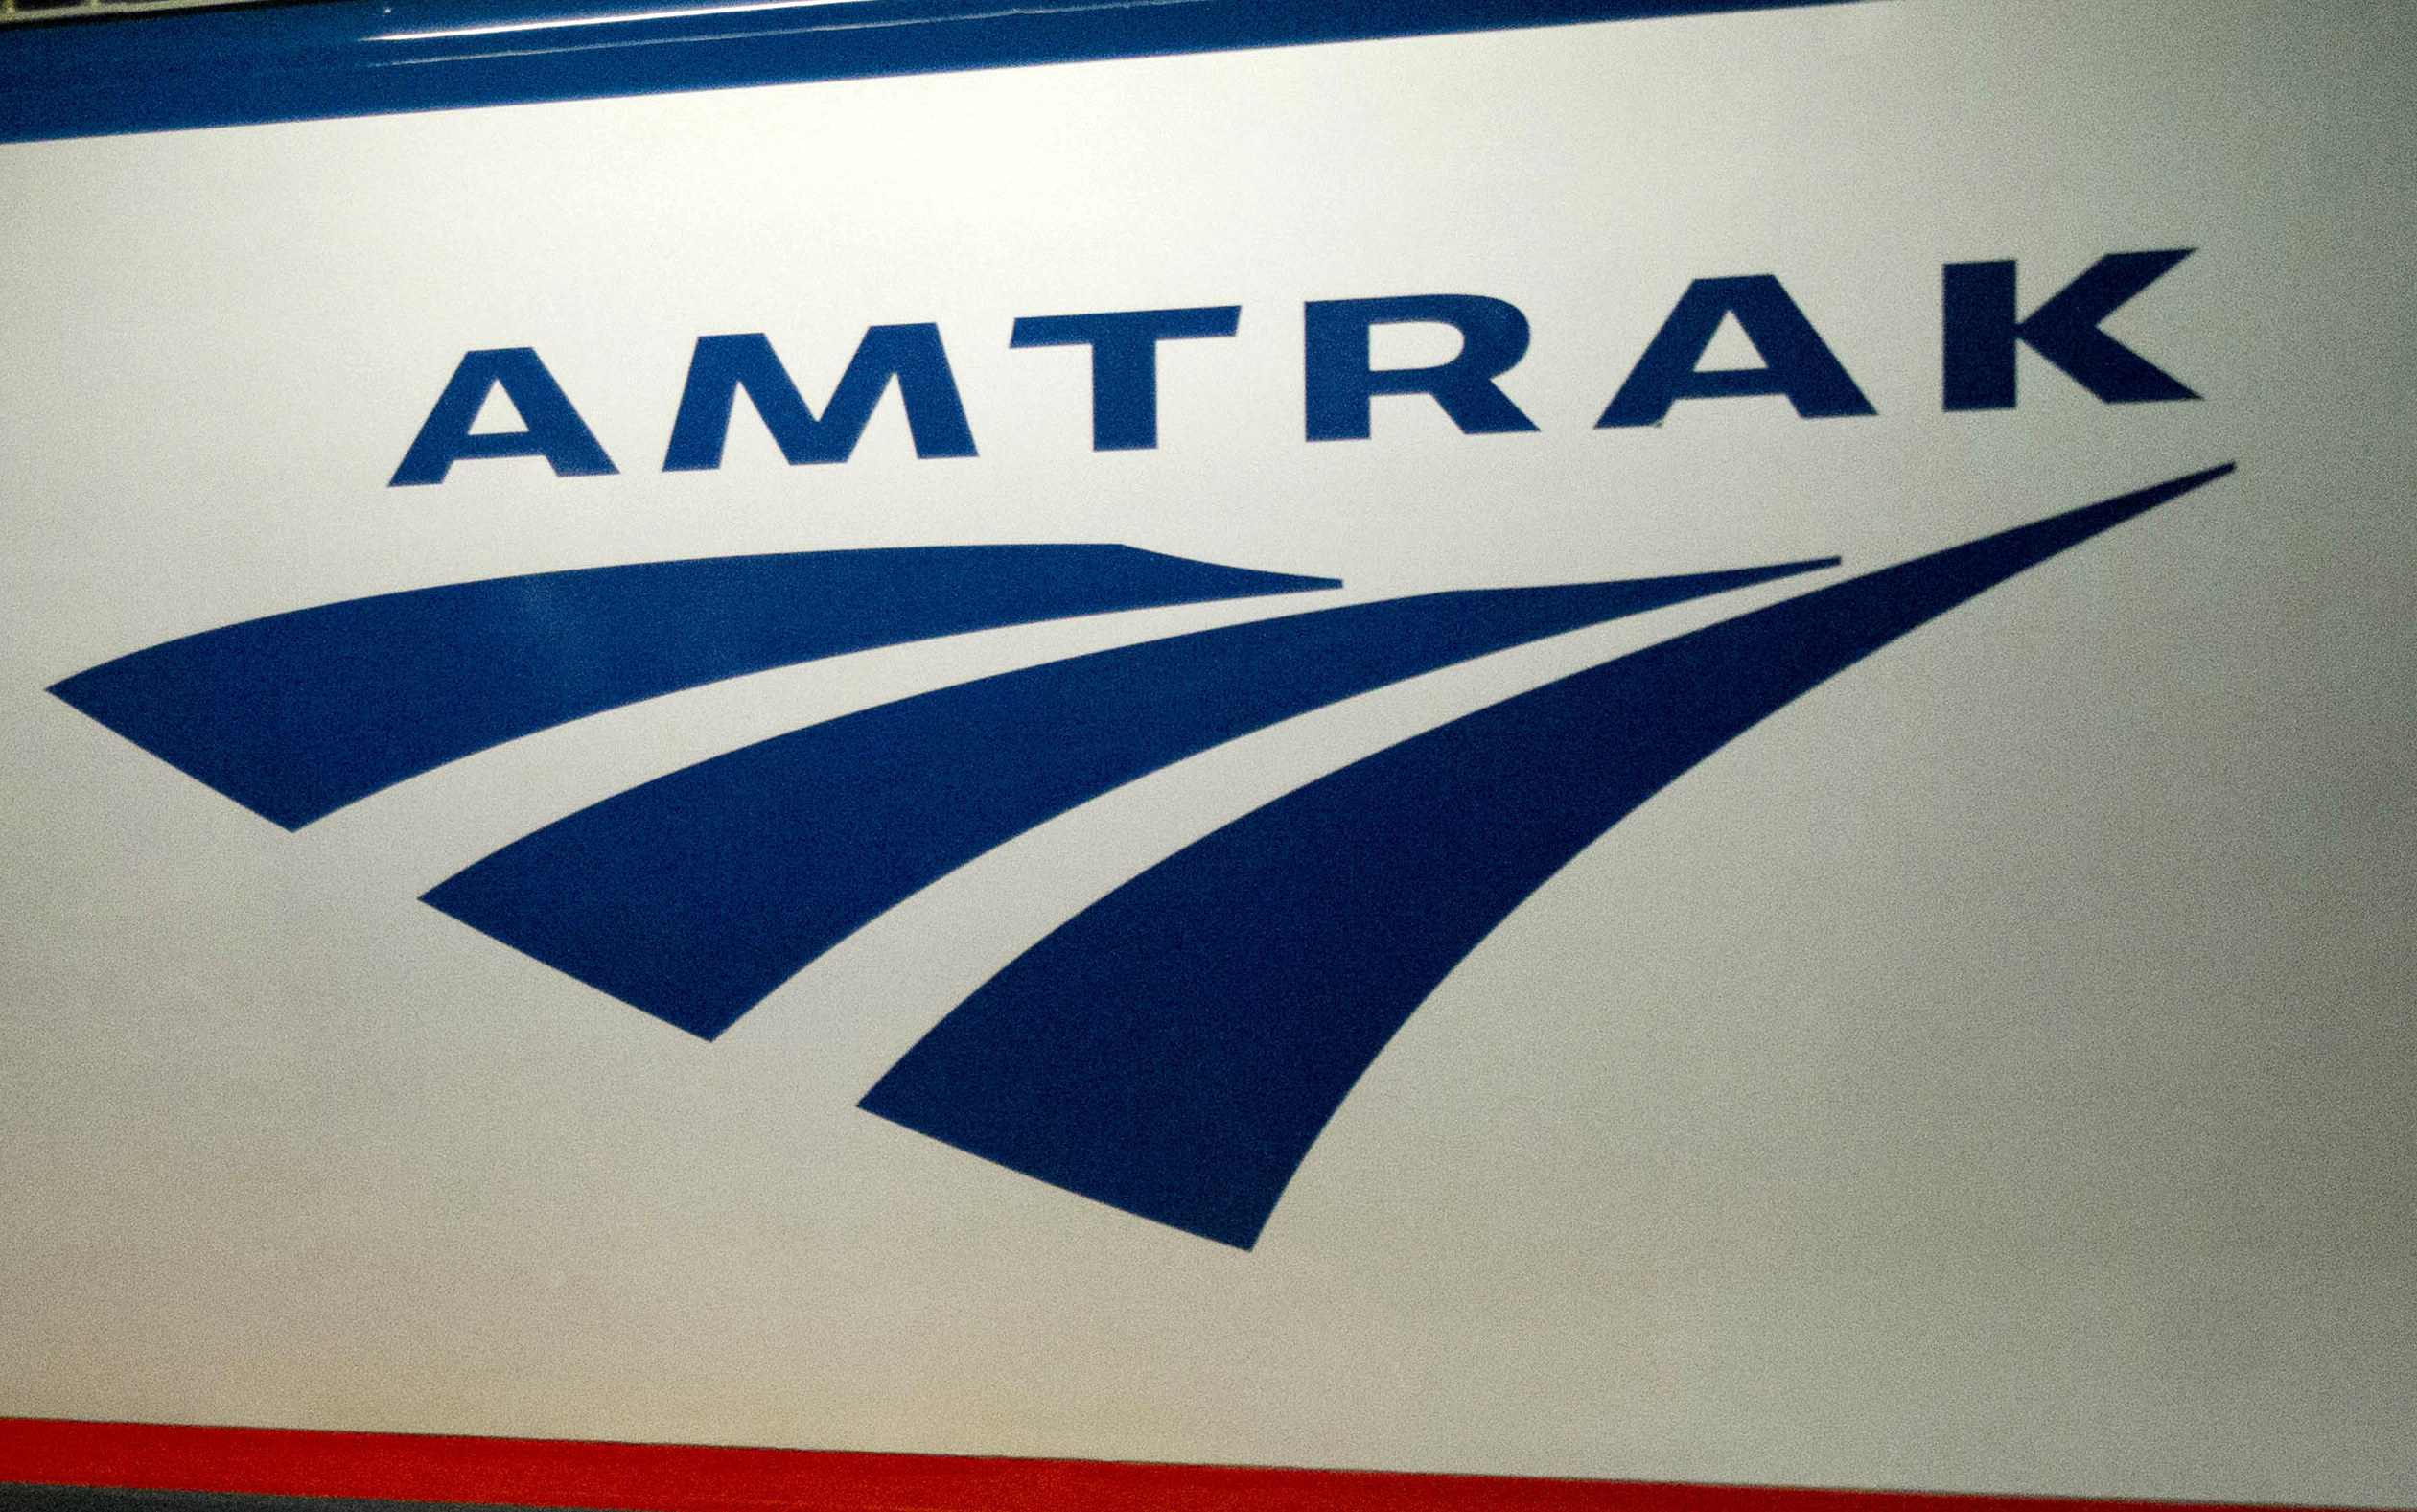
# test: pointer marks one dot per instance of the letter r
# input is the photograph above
(1339, 381)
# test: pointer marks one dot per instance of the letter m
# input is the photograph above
(724, 364)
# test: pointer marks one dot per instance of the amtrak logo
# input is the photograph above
(1176, 1048)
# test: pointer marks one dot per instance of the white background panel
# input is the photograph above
(1993, 1072)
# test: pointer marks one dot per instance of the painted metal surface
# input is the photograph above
(1527, 750)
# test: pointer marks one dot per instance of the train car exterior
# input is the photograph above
(927, 754)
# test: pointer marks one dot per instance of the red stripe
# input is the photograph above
(690, 1478)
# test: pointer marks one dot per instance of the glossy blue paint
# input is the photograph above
(1175, 1049)
(352, 57)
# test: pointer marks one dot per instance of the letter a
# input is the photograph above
(1797, 364)
(555, 432)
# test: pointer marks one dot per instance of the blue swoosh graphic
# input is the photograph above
(694, 896)
(1174, 1049)
(297, 714)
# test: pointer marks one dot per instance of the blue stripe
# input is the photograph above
(295, 715)
(365, 58)
(696, 894)
(1175, 1049)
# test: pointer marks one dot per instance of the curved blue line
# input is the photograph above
(695, 895)
(297, 714)
(1174, 1049)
